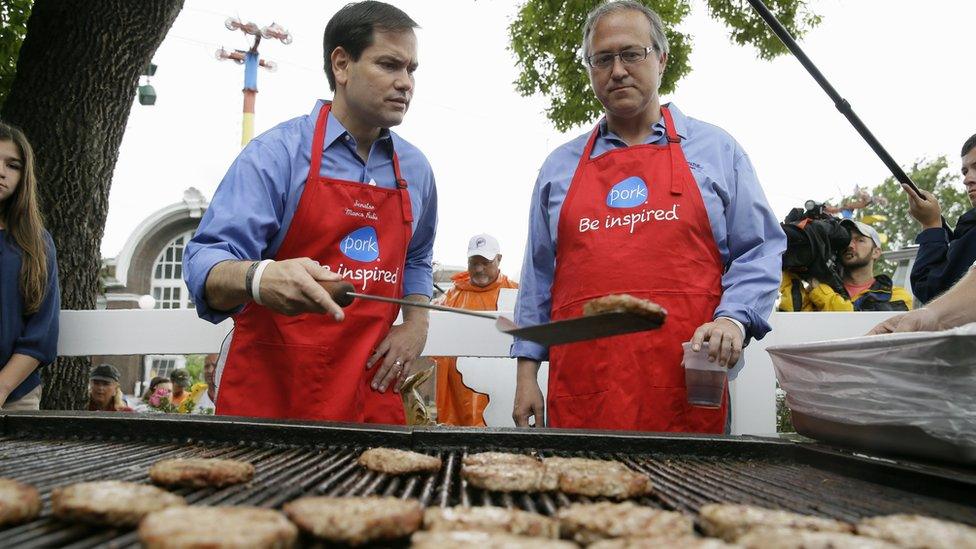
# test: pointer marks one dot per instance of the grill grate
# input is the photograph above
(683, 482)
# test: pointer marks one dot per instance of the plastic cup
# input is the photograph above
(705, 380)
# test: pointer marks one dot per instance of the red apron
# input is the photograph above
(310, 366)
(633, 222)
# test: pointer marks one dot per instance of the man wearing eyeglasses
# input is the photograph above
(654, 204)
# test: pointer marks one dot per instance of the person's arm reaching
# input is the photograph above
(954, 308)
(756, 243)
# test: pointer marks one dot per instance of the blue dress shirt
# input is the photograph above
(34, 335)
(252, 209)
(748, 235)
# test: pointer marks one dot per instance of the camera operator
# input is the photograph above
(862, 290)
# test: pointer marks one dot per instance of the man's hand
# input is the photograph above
(919, 320)
(404, 343)
(528, 396)
(724, 341)
(291, 287)
(927, 212)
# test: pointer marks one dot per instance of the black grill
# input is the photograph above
(294, 459)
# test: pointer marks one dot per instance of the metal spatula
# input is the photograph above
(550, 333)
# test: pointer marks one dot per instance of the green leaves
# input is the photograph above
(13, 28)
(547, 35)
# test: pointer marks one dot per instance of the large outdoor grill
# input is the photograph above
(293, 459)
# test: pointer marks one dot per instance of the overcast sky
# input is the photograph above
(907, 72)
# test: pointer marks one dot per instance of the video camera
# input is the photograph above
(814, 241)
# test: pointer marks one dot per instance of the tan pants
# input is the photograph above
(30, 401)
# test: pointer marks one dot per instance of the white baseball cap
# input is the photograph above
(484, 245)
(864, 229)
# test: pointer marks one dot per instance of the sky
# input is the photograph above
(903, 69)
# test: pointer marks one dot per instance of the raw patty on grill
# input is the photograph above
(217, 528)
(685, 542)
(785, 538)
(355, 520)
(499, 458)
(398, 462)
(110, 502)
(623, 303)
(919, 531)
(731, 521)
(596, 478)
(591, 522)
(465, 539)
(491, 519)
(200, 472)
(18, 502)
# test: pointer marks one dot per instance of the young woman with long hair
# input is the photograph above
(29, 296)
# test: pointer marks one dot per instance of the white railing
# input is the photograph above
(485, 363)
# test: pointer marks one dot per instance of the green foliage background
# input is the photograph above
(13, 28)
(547, 34)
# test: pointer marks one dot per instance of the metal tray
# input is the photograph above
(897, 440)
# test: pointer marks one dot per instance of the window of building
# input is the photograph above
(162, 365)
(168, 288)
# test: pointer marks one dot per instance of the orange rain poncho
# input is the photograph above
(456, 403)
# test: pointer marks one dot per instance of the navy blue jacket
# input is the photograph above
(944, 256)
(33, 335)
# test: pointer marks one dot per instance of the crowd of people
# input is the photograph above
(175, 394)
(651, 202)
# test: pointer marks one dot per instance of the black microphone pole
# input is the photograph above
(842, 105)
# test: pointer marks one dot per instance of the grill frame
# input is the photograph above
(689, 468)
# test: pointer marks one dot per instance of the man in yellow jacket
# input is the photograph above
(476, 289)
(865, 291)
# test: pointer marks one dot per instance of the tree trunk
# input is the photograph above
(76, 79)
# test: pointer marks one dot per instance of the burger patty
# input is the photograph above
(731, 521)
(217, 528)
(491, 519)
(18, 502)
(461, 539)
(504, 477)
(355, 520)
(398, 462)
(623, 303)
(596, 478)
(588, 477)
(685, 542)
(919, 531)
(499, 458)
(591, 522)
(785, 538)
(200, 472)
(110, 502)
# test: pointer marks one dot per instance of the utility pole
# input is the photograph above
(251, 61)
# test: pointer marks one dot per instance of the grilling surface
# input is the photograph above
(683, 482)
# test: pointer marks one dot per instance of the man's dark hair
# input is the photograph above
(352, 29)
(969, 145)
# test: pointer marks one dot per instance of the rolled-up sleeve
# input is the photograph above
(756, 244)
(534, 304)
(243, 217)
(418, 276)
(39, 338)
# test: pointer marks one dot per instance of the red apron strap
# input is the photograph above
(401, 184)
(674, 151)
(318, 140)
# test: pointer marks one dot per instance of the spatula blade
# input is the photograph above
(580, 329)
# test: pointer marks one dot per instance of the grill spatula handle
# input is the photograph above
(339, 291)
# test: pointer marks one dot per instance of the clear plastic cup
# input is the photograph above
(705, 380)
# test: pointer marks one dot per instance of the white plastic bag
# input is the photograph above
(921, 379)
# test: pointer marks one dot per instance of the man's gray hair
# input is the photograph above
(613, 6)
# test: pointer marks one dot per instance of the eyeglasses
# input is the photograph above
(627, 57)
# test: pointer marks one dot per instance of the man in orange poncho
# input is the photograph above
(476, 289)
